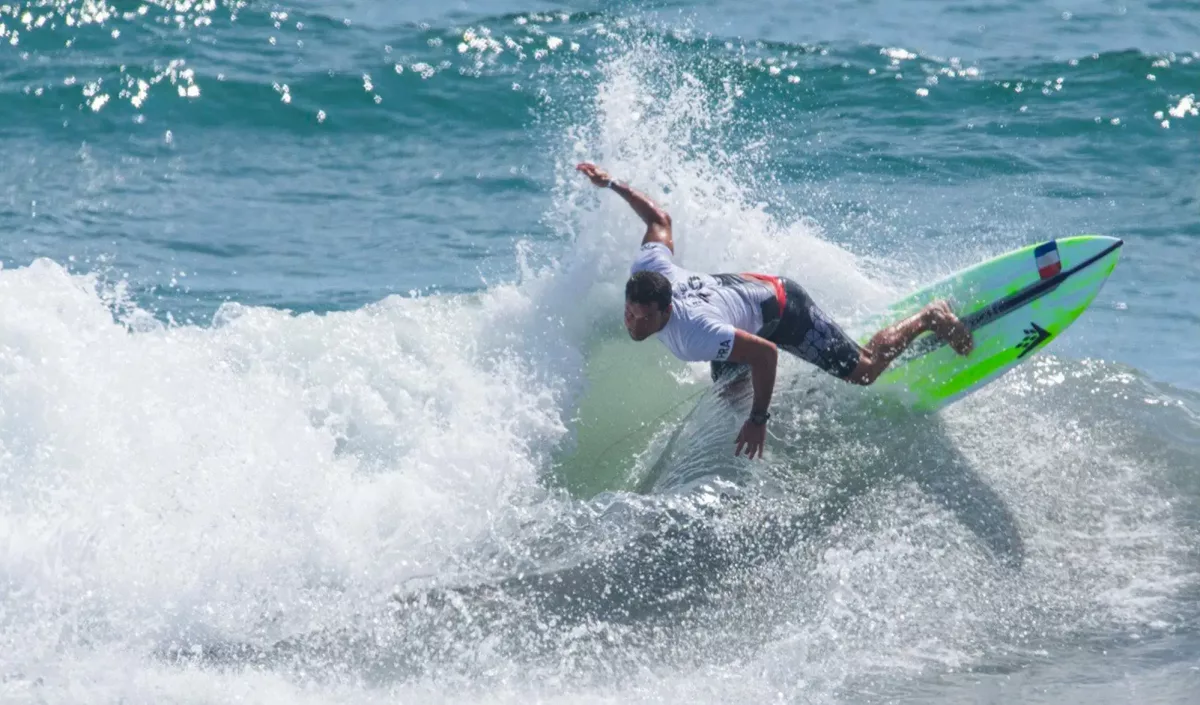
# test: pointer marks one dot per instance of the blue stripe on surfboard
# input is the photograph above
(1045, 248)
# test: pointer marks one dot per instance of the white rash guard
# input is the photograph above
(706, 309)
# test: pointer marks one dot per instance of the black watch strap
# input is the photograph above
(759, 417)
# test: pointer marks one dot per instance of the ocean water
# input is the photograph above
(313, 386)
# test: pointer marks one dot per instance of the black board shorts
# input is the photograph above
(803, 330)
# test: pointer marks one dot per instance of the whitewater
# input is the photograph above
(492, 495)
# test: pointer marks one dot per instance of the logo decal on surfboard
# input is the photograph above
(1047, 259)
(1035, 335)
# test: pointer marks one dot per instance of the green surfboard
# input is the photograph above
(1014, 305)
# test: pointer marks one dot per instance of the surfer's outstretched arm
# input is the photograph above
(657, 220)
(762, 355)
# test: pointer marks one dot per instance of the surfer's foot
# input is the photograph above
(946, 326)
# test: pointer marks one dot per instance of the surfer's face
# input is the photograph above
(643, 320)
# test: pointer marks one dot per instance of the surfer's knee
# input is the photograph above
(866, 371)
(864, 379)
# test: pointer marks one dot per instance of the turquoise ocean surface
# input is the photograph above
(314, 389)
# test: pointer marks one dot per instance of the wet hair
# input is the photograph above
(647, 287)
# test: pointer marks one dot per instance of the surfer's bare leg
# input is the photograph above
(888, 343)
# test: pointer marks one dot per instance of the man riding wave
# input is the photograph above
(736, 321)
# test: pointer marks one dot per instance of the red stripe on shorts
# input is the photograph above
(780, 292)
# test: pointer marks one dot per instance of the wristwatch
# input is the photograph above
(759, 418)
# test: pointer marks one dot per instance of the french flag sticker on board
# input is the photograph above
(1048, 263)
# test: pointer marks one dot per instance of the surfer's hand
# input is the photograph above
(598, 176)
(753, 437)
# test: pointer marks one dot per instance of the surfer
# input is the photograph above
(735, 321)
